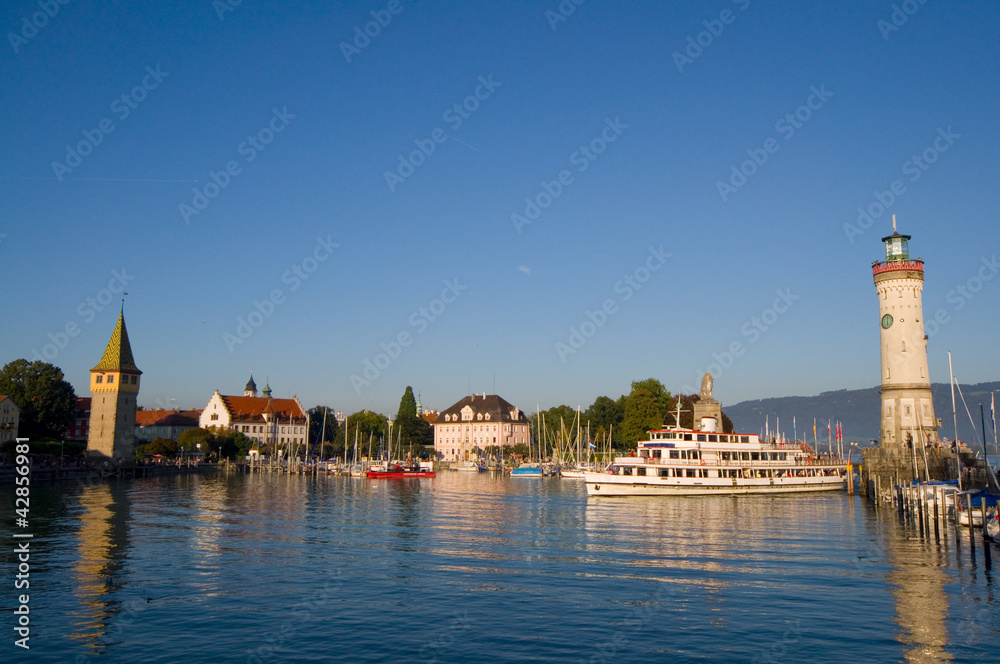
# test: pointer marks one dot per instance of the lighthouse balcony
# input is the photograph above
(892, 266)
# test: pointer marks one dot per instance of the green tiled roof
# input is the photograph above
(118, 355)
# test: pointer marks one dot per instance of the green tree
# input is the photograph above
(243, 444)
(407, 405)
(163, 446)
(46, 400)
(410, 429)
(316, 433)
(642, 413)
(190, 439)
(656, 390)
(365, 425)
(605, 416)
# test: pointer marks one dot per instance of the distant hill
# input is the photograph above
(858, 411)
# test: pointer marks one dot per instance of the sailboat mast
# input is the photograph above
(954, 415)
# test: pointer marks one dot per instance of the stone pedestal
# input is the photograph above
(707, 407)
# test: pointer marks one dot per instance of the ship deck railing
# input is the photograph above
(735, 463)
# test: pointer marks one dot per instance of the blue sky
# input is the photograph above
(620, 142)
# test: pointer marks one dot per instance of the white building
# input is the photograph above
(477, 422)
(276, 424)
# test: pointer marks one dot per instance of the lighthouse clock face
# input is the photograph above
(886, 321)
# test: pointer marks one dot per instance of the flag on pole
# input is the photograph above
(829, 436)
(814, 429)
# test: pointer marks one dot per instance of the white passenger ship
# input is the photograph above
(685, 462)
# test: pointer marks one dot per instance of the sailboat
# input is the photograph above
(531, 469)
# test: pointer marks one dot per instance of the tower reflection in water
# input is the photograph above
(919, 580)
(100, 571)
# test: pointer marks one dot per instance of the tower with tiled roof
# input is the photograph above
(114, 387)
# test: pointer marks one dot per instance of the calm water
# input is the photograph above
(466, 568)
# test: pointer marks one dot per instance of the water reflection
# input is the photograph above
(919, 584)
(102, 546)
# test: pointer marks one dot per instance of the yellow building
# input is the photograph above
(114, 387)
(9, 417)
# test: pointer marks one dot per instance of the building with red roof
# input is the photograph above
(476, 422)
(277, 424)
(153, 424)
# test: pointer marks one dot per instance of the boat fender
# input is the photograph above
(702, 462)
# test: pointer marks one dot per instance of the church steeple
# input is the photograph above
(251, 389)
(267, 391)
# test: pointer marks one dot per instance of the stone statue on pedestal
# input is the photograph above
(706, 386)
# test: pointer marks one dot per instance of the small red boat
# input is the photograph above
(395, 471)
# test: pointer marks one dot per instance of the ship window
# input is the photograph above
(673, 454)
(783, 456)
(745, 456)
(701, 438)
(744, 439)
(656, 454)
(695, 454)
(691, 472)
(755, 456)
(626, 471)
(687, 436)
(713, 438)
(640, 471)
(664, 472)
(725, 456)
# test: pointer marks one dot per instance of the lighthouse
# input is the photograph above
(908, 420)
